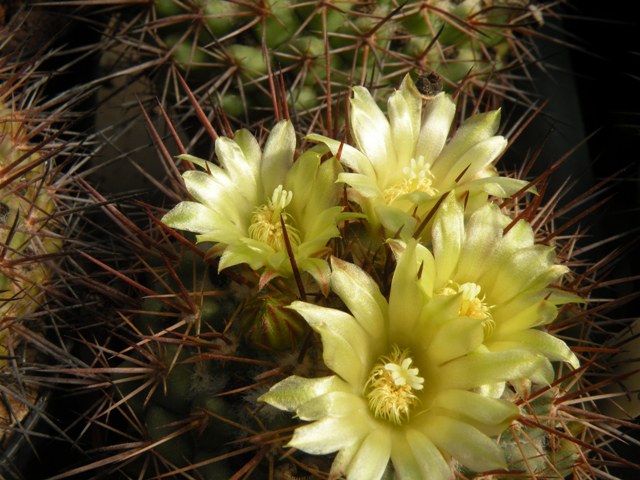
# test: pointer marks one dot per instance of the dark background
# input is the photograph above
(606, 65)
(590, 76)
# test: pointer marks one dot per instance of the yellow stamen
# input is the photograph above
(472, 305)
(266, 225)
(417, 177)
(391, 386)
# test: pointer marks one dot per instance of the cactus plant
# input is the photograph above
(210, 336)
(28, 242)
(25, 202)
(38, 160)
(232, 52)
(295, 294)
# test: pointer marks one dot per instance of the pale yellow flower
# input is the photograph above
(502, 281)
(407, 393)
(243, 203)
(402, 163)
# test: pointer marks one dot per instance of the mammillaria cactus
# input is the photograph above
(432, 354)
(350, 286)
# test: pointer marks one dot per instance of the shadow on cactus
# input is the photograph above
(426, 319)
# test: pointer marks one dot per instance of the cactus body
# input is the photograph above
(24, 202)
(226, 46)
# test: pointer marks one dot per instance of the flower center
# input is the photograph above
(473, 305)
(391, 386)
(266, 225)
(416, 177)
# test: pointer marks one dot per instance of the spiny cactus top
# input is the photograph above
(403, 164)
(323, 47)
(257, 205)
(432, 351)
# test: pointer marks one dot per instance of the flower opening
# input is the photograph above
(416, 177)
(266, 224)
(473, 304)
(391, 386)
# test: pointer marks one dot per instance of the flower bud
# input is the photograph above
(269, 324)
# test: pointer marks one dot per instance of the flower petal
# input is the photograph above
(414, 456)
(330, 434)
(473, 161)
(372, 458)
(343, 459)
(529, 268)
(478, 369)
(414, 101)
(519, 238)
(206, 165)
(346, 349)
(465, 443)
(395, 220)
(190, 216)
(424, 261)
(438, 311)
(332, 404)
(454, 339)
(371, 131)
(404, 133)
(522, 312)
(242, 172)
(202, 187)
(448, 238)
(349, 156)
(314, 190)
(539, 342)
(219, 193)
(242, 252)
(250, 148)
(438, 117)
(319, 227)
(501, 187)
(483, 232)
(319, 270)
(426, 267)
(301, 178)
(363, 184)
(294, 391)
(490, 411)
(361, 295)
(325, 188)
(406, 297)
(224, 233)
(473, 131)
(277, 157)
